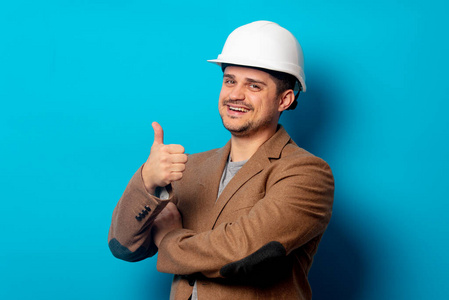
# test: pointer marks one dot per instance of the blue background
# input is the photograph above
(81, 82)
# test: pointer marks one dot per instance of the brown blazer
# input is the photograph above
(256, 241)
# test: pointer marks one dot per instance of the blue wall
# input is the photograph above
(81, 82)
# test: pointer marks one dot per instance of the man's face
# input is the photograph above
(248, 101)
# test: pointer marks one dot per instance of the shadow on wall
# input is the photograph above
(316, 117)
(338, 270)
(153, 284)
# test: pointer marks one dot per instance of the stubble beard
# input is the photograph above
(248, 128)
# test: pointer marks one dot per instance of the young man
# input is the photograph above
(243, 221)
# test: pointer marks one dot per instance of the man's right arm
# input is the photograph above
(135, 217)
(130, 235)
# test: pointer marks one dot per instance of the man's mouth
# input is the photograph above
(239, 109)
(237, 106)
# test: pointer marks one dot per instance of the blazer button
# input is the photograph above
(138, 218)
(191, 281)
(147, 208)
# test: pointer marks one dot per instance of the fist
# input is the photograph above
(165, 164)
(169, 219)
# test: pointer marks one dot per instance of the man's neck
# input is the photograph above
(243, 147)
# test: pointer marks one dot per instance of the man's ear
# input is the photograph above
(286, 99)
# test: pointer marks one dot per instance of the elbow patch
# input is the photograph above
(121, 252)
(266, 266)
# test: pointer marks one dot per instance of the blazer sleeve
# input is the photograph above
(130, 235)
(296, 208)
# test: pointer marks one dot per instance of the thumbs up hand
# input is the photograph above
(165, 163)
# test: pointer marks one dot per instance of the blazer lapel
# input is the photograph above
(270, 149)
(250, 169)
(209, 176)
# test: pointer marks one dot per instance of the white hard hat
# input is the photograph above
(264, 45)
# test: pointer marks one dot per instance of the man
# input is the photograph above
(243, 221)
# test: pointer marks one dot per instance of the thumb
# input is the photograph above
(158, 133)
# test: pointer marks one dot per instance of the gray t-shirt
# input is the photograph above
(229, 171)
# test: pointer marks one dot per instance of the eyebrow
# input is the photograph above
(250, 80)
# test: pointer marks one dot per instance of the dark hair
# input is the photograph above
(283, 82)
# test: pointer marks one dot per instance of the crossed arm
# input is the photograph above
(285, 223)
(291, 221)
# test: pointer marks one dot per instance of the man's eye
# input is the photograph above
(254, 86)
(229, 81)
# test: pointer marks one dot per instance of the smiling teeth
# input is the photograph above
(238, 109)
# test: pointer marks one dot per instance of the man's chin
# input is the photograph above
(243, 130)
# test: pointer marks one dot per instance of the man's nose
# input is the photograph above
(237, 92)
